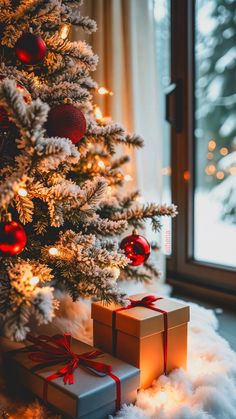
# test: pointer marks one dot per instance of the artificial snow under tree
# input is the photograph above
(63, 215)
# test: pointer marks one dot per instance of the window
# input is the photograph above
(215, 132)
(203, 145)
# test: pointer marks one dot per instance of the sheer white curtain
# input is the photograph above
(125, 43)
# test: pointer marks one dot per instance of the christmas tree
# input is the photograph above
(62, 207)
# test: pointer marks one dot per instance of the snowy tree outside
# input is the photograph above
(215, 126)
(215, 132)
(162, 38)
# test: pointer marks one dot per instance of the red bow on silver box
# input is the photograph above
(49, 350)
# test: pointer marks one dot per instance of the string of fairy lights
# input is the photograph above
(211, 169)
(97, 164)
(104, 120)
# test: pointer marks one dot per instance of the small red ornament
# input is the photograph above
(12, 238)
(67, 121)
(136, 248)
(4, 121)
(30, 49)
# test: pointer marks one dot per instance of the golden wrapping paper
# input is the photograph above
(136, 335)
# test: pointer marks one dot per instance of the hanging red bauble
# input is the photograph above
(4, 121)
(67, 121)
(136, 248)
(30, 49)
(12, 238)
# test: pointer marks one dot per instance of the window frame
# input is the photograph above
(183, 271)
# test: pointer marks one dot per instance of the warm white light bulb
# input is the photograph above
(98, 113)
(103, 91)
(220, 175)
(22, 192)
(64, 32)
(224, 151)
(53, 251)
(211, 145)
(101, 164)
(34, 280)
(128, 178)
(140, 199)
(109, 190)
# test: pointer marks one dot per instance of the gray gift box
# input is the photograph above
(90, 397)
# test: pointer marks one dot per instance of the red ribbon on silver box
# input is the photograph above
(49, 350)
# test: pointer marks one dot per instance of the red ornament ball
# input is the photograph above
(30, 49)
(12, 238)
(4, 121)
(67, 121)
(136, 248)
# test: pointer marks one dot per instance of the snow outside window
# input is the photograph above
(215, 132)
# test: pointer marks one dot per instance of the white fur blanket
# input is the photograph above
(207, 390)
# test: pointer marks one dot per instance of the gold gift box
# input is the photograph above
(136, 335)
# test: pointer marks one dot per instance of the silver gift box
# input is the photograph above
(90, 397)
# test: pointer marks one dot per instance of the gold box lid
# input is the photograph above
(142, 321)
